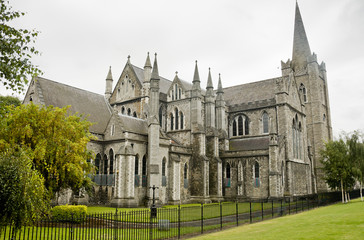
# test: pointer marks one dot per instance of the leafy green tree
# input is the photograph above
(55, 141)
(22, 191)
(8, 101)
(356, 156)
(337, 167)
(16, 46)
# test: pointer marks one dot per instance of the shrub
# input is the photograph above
(69, 213)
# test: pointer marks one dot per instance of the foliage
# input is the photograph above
(16, 46)
(55, 141)
(337, 166)
(22, 192)
(69, 213)
(8, 101)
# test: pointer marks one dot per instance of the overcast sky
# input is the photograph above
(243, 40)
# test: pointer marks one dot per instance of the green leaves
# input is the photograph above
(55, 141)
(16, 51)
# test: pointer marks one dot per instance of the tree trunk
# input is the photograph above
(342, 190)
(361, 193)
(346, 196)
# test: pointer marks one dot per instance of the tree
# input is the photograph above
(22, 192)
(16, 46)
(337, 167)
(54, 140)
(356, 156)
(8, 101)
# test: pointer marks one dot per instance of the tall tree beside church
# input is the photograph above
(55, 141)
(16, 46)
(356, 156)
(337, 166)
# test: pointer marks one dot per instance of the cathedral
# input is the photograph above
(256, 140)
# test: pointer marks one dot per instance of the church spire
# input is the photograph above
(109, 75)
(109, 81)
(209, 86)
(155, 73)
(301, 48)
(219, 85)
(196, 88)
(196, 76)
(147, 62)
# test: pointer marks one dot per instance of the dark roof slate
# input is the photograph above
(91, 105)
(249, 144)
(132, 124)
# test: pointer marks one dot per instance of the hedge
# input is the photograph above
(69, 213)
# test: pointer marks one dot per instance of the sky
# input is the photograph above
(243, 40)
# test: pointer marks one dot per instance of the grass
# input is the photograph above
(339, 221)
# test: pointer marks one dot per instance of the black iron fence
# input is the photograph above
(170, 222)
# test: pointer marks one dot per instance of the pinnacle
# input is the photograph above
(196, 76)
(147, 62)
(209, 81)
(155, 74)
(301, 48)
(109, 75)
(219, 86)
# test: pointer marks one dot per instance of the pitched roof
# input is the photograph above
(247, 144)
(250, 92)
(91, 105)
(132, 124)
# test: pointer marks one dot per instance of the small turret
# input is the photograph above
(108, 88)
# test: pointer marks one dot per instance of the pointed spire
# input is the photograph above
(196, 76)
(301, 48)
(209, 81)
(147, 62)
(219, 86)
(155, 74)
(109, 75)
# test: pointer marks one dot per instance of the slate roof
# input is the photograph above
(250, 92)
(132, 124)
(249, 144)
(89, 104)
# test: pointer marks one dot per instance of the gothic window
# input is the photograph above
(172, 94)
(172, 121)
(234, 128)
(256, 175)
(160, 116)
(180, 93)
(303, 92)
(111, 157)
(300, 141)
(185, 178)
(296, 138)
(228, 175)
(97, 163)
(122, 110)
(240, 126)
(176, 91)
(164, 178)
(134, 114)
(246, 125)
(181, 115)
(324, 117)
(112, 130)
(129, 111)
(144, 172)
(265, 121)
(136, 171)
(105, 164)
(176, 118)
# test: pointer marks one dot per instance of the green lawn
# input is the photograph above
(339, 221)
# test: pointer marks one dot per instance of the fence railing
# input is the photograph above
(170, 222)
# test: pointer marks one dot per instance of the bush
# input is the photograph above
(69, 213)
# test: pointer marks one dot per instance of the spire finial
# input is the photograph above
(147, 62)
(128, 58)
(301, 48)
(176, 73)
(155, 74)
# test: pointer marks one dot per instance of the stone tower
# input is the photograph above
(311, 81)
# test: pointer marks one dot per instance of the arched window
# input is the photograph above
(176, 91)
(144, 172)
(294, 137)
(136, 172)
(240, 126)
(265, 121)
(111, 157)
(164, 178)
(234, 128)
(303, 92)
(105, 164)
(299, 141)
(180, 93)
(172, 121)
(256, 175)
(134, 114)
(160, 116)
(246, 125)
(185, 178)
(172, 94)
(129, 111)
(181, 115)
(122, 110)
(228, 174)
(176, 118)
(97, 163)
